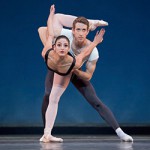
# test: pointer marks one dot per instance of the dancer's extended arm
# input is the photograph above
(50, 32)
(86, 51)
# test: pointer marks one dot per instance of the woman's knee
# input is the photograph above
(42, 29)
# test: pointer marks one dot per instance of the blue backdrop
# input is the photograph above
(121, 79)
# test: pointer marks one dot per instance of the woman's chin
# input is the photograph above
(62, 55)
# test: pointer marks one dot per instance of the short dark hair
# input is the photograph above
(80, 20)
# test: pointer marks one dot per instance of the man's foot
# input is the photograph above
(123, 136)
(126, 138)
(50, 138)
(97, 23)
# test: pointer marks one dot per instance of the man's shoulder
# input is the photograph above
(94, 55)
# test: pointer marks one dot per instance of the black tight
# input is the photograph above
(87, 90)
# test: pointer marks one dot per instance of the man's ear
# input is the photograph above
(88, 32)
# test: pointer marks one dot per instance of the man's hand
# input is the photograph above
(99, 36)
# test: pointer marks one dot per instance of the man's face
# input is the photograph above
(80, 32)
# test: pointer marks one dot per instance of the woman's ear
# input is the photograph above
(54, 47)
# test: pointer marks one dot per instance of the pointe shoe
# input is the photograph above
(55, 139)
(41, 139)
(96, 23)
(50, 138)
(126, 138)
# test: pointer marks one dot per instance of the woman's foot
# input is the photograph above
(96, 23)
(50, 138)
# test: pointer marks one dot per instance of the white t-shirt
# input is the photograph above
(68, 33)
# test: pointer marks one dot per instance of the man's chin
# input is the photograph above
(80, 41)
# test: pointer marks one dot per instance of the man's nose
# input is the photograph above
(80, 32)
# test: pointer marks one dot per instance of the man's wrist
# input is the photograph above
(94, 43)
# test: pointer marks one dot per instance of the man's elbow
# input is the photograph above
(88, 78)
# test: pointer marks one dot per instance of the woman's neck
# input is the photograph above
(60, 59)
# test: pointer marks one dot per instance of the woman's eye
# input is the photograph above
(66, 45)
(58, 45)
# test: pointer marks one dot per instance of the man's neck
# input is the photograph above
(80, 44)
(77, 47)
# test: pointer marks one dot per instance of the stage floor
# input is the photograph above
(73, 142)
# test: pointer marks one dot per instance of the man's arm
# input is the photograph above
(87, 51)
(90, 68)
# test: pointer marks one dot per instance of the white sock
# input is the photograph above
(123, 136)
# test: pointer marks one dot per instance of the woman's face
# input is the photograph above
(62, 47)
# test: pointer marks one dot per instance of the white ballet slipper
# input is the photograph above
(102, 23)
(97, 23)
(55, 139)
(50, 138)
(41, 139)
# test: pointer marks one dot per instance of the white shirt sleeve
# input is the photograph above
(94, 55)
